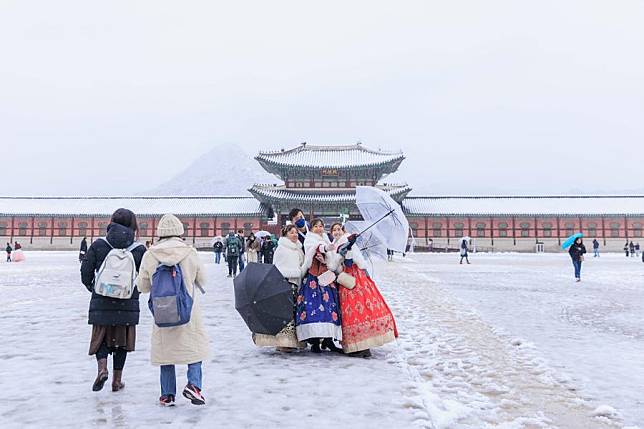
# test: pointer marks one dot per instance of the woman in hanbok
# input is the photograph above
(317, 317)
(367, 321)
(18, 256)
(288, 259)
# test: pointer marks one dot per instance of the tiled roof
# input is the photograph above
(528, 205)
(216, 206)
(330, 157)
(268, 192)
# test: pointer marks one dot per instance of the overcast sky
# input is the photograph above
(483, 97)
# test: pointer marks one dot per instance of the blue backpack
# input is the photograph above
(169, 302)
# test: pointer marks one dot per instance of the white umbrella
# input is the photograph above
(466, 238)
(384, 215)
(370, 243)
(261, 234)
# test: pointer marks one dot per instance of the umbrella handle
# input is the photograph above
(367, 228)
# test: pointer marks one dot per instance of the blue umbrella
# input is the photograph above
(566, 244)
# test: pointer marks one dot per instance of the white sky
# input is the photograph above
(484, 97)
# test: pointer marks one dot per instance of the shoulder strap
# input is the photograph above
(108, 243)
(133, 246)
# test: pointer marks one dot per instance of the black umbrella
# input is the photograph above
(263, 298)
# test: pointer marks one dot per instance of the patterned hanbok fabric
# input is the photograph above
(367, 320)
(317, 311)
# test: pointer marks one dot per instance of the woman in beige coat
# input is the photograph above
(185, 344)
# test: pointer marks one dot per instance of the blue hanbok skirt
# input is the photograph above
(317, 312)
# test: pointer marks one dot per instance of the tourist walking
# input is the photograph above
(317, 316)
(8, 249)
(288, 259)
(595, 248)
(576, 252)
(267, 250)
(252, 249)
(637, 250)
(232, 247)
(464, 251)
(185, 344)
(218, 247)
(631, 248)
(626, 248)
(83, 250)
(367, 321)
(113, 319)
(242, 249)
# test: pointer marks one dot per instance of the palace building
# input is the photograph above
(321, 180)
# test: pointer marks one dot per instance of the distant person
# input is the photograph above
(576, 252)
(83, 250)
(8, 249)
(626, 248)
(231, 245)
(595, 248)
(390, 255)
(186, 343)
(268, 248)
(242, 249)
(252, 248)
(113, 319)
(148, 244)
(637, 250)
(464, 251)
(631, 248)
(218, 247)
(18, 256)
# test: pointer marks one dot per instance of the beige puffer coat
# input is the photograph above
(187, 343)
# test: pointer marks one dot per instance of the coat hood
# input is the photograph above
(171, 251)
(119, 236)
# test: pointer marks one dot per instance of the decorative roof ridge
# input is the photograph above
(322, 148)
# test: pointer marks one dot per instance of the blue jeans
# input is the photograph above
(596, 252)
(217, 257)
(169, 379)
(241, 263)
(577, 265)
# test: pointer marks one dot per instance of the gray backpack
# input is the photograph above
(117, 275)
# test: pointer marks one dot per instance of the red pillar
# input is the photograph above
(492, 231)
(514, 231)
(91, 223)
(71, 236)
(558, 232)
(154, 229)
(194, 230)
(604, 229)
(33, 222)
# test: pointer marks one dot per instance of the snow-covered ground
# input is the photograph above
(509, 341)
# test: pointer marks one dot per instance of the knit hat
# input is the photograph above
(169, 226)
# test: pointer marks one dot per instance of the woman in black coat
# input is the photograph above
(576, 252)
(113, 320)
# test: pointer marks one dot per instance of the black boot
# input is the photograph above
(328, 344)
(315, 347)
(101, 376)
(361, 354)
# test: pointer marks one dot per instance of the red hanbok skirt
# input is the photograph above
(367, 321)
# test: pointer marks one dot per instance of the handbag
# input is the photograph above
(346, 280)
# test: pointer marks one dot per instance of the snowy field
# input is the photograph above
(507, 342)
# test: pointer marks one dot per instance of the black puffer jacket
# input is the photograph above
(576, 251)
(103, 310)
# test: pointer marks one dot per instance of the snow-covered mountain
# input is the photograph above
(224, 170)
